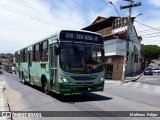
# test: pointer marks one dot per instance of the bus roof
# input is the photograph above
(56, 33)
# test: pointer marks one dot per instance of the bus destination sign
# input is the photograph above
(80, 37)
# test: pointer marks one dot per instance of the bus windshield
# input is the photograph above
(81, 58)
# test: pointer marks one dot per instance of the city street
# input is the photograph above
(142, 95)
(92, 60)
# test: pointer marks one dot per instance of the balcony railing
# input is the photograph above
(105, 31)
(109, 30)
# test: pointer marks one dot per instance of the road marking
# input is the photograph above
(151, 79)
(145, 87)
(157, 88)
(125, 84)
(136, 84)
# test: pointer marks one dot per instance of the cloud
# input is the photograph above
(155, 2)
(26, 21)
(14, 19)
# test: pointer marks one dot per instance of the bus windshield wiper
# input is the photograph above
(91, 48)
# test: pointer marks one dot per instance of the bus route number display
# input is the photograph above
(80, 36)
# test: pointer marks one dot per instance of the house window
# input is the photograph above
(109, 60)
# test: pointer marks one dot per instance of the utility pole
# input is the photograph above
(132, 4)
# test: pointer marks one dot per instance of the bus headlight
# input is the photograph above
(64, 80)
(102, 79)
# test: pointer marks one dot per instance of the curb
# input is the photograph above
(129, 79)
(133, 79)
(4, 106)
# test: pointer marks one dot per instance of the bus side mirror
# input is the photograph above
(56, 49)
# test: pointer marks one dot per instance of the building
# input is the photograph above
(115, 33)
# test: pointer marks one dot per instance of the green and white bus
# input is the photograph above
(67, 62)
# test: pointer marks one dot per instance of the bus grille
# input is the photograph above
(84, 83)
(82, 78)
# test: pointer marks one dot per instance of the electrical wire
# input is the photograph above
(22, 30)
(46, 12)
(83, 8)
(16, 11)
(148, 30)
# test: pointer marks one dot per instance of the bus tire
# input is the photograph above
(23, 79)
(45, 88)
(19, 74)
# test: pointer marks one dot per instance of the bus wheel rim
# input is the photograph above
(23, 80)
(45, 88)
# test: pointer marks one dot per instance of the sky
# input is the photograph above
(26, 21)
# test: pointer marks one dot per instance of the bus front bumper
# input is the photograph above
(79, 89)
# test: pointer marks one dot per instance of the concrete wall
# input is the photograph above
(134, 48)
(117, 62)
(114, 47)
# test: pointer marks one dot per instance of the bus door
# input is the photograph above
(18, 67)
(29, 65)
(54, 66)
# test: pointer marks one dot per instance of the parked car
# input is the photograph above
(148, 71)
(13, 70)
(150, 66)
(156, 70)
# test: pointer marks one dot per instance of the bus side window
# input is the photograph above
(36, 52)
(44, 51)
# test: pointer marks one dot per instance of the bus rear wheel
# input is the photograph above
(23, 79)
(46, 89)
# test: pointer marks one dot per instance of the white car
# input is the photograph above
(156, 70)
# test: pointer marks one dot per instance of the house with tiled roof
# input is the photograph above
(115, 33)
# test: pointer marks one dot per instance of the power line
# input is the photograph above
(147, 25)
(97, 12)
(47, 21)
(151, 36)
(86, 10)
(106, 4)
(152, 28)
(148, 29)
(137, 21)
(134, 20)
(16, 11)
(45, 12)
(22, 30)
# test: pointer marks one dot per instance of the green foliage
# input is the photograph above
(151, 52)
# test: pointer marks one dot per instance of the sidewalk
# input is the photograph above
(131, 77)
(3, 100)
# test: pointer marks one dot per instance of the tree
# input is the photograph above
(151, 52)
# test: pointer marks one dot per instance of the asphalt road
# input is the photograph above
(132, 96)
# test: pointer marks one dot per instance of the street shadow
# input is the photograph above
(33, 86)
(73, 98)
(80, 98)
